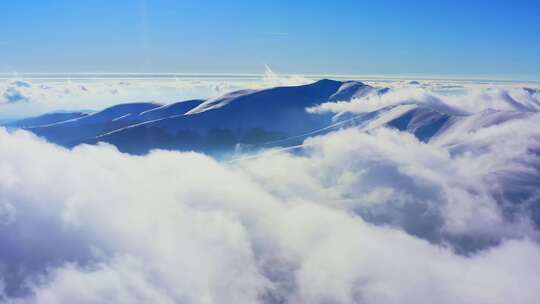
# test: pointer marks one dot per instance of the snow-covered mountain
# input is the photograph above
(251, 119)
(245, 117)
(46, 119)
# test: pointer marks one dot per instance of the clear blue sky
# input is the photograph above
(447, 38)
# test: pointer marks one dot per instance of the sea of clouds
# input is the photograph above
(349, 217)
(26, 96)
(23, 96)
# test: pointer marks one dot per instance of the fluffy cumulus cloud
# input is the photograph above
(470, 100)
(349, 217)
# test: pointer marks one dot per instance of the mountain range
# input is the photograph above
(248, 120)
(218, 125)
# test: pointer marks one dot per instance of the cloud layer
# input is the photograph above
(471, 100)
(25, 97)
(350, 217)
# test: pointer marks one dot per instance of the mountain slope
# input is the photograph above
(46, 119)
(74, 131)
(248, 117)
(251, 119)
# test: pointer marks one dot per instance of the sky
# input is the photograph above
(491, 39)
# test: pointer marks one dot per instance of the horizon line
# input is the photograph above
(490, 78)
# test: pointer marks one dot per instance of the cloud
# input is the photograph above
(15, 92)
(13, 95)
(50, 94)
(21, 84)
(353, 217)
(421, 188)
(472, 100)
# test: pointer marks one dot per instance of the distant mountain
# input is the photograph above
(253, 119)
(170, 110)
(74, 131)
(46, 119)
(245, 118)
(6, 121)
(423, 122)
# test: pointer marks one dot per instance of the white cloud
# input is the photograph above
(49, 94)
(346, 221)
(427, 183)
(470, 100)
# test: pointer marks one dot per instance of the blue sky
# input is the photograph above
(499, 39)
